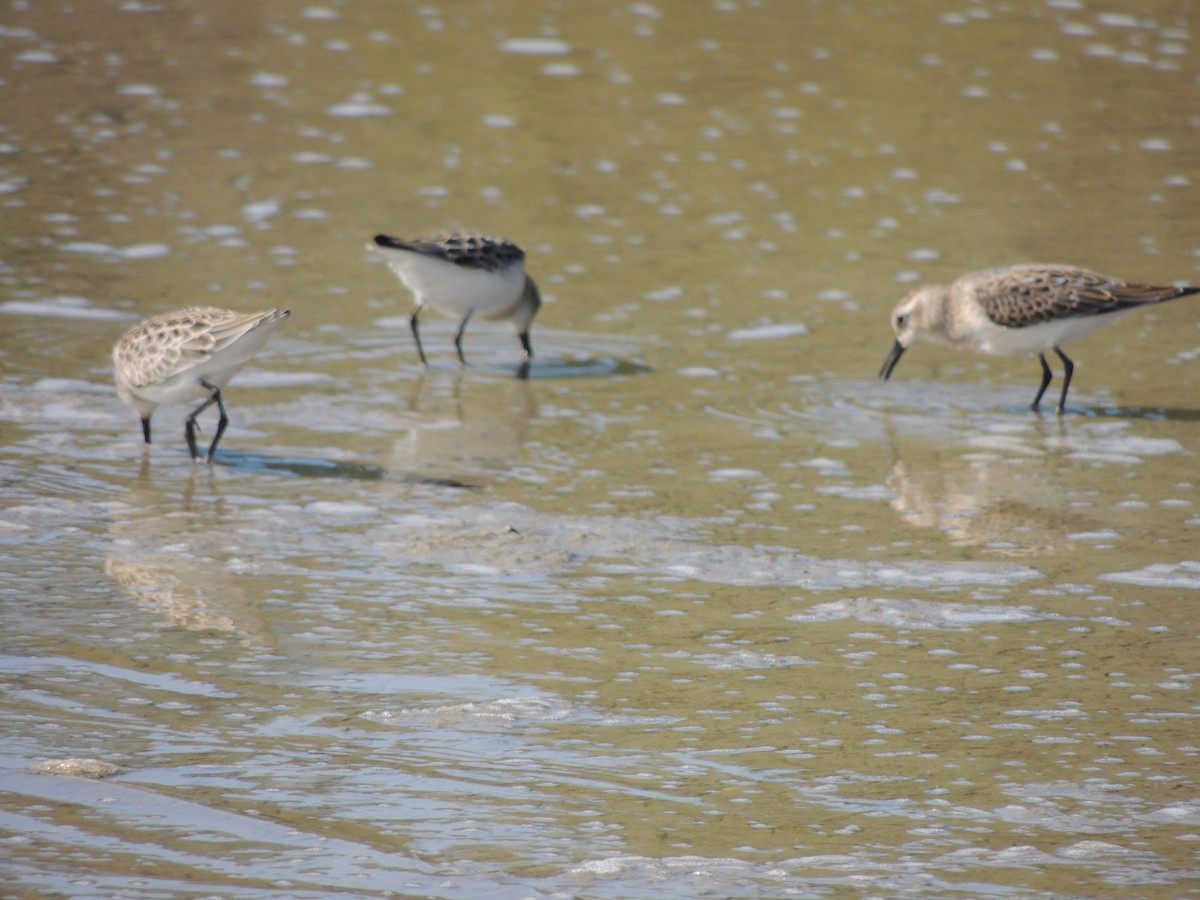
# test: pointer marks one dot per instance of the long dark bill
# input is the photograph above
(893, 357)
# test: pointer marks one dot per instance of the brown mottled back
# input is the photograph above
(1021, 296)
(170, 342)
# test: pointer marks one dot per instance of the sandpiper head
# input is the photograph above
(912, 319)
(527, 307)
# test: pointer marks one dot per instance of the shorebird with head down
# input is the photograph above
(186, 356)
(465, 274)
(1020, 310)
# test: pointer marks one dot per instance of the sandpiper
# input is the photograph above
(1019, 310)
(465, 274)
(188, 355)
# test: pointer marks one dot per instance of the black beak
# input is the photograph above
(893, 357)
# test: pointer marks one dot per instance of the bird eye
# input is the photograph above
(901, 319)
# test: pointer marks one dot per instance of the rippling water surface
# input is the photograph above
(701, 608)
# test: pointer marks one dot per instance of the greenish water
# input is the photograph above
(701, 608)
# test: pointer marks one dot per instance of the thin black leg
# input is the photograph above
(222, 423)
(1046, 376)
(458, 335)
(189, 428)
(146, 429)
(189, 432)
(412, 323)
(1068, 370)
(523, 370)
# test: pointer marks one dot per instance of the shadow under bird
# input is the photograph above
(465, 274)
(186, 356)
(1020, 311)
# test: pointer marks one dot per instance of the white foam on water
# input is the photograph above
(1165, 575)
(62, 307)
(536, 46)
(769, 332)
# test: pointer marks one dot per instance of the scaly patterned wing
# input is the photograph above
(224, 332)
(165, 345)
(173, 342)
(468, 249)
(1028, 295)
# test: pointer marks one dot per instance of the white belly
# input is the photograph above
(457, 290)
(1042, 337)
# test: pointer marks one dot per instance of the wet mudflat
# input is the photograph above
(701, 607)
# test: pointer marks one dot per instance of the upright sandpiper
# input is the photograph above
(185, 356)
(1019, 310)
(465, 274)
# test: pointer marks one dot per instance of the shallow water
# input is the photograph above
(700, 608)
